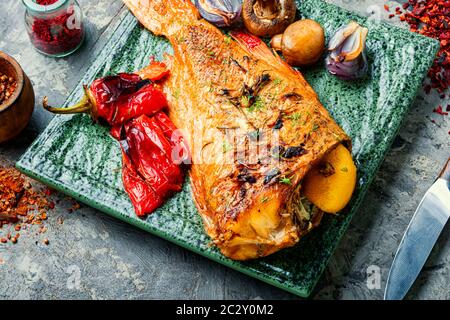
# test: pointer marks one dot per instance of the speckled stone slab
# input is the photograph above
(79, 158)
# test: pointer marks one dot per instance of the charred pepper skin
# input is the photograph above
(151, 153)
(144, 199)
(149, 174)
(152, 147)
(180, 149)
(124, 97)
(117, 99)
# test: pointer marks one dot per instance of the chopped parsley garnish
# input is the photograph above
(285, 180)
(257, 105)
(264, 199)
(245, 100)
(211, 87)
(295, 117)
(277, 81)
(315, 127)
(227, 39)
(226, 147)
(176, 93)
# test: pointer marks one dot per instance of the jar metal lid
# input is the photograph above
(33, 6)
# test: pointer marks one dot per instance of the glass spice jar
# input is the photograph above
(55, 27)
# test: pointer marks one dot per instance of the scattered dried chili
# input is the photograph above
(432, 18)
(20, 203)
(440, 111)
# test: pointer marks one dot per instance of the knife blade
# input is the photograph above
(420, 236)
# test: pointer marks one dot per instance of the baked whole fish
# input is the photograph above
(255, 128)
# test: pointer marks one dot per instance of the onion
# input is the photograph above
(348, 70)
(222, 13)
(347, 52)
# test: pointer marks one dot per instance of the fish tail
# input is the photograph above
(163, 17)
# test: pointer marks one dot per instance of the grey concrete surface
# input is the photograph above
(92, 256)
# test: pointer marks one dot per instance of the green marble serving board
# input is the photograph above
(78, 157)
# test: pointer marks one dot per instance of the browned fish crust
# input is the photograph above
(254, 125)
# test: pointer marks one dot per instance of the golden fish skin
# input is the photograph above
(254, 125)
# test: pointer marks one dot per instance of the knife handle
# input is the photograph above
(445, 173)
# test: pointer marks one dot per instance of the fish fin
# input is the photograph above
(163, 17)
(256, 47)
(259, 49)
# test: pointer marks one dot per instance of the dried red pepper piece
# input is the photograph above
(155, 71)
(440, 111)
(45, 2)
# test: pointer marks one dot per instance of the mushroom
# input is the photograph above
(267, 17)
(302, 43)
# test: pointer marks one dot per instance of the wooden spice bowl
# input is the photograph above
(15, 112)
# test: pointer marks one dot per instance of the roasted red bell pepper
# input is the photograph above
(149, 167)
(180, 150)
(143, 197)
(152, 147)
(117, 99)
(156, 70)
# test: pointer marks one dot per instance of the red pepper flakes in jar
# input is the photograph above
(55, 27)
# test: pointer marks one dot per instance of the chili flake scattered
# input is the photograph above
(440, 111)
(432, 18)
(20, 203)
